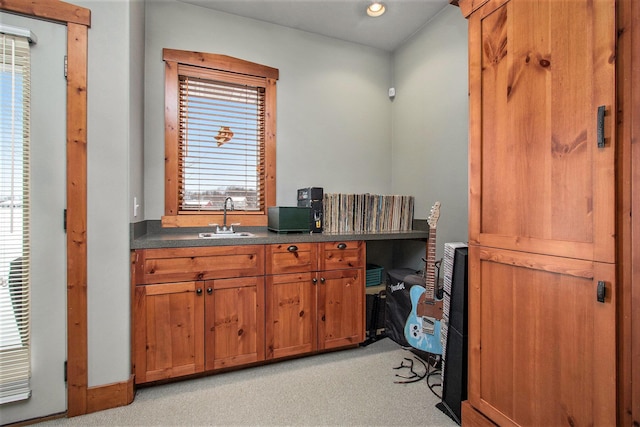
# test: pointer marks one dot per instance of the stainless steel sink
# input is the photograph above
(235, 235)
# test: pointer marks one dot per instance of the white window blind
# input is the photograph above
(221, 141)
(15, 369)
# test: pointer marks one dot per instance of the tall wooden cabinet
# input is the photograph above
(542, 212)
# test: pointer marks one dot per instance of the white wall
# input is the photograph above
(136, 104)
(114, 109)
(333, 117)
(430, 123)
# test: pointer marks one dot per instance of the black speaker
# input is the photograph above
(454, 387)
(375, 318)
(459, 303)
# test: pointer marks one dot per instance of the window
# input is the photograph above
(15, 357)
(219, 139)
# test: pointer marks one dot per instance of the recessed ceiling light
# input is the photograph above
(375, 9)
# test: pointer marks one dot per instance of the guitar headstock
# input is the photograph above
(435, 214)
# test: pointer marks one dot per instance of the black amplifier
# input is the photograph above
(311, 193)
(312, 198)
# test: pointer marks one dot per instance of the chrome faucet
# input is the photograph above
(224, 221)
(224, 229)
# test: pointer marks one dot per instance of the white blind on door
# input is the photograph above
(15, 360)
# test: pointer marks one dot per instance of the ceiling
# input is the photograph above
(342, 19)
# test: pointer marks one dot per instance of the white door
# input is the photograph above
(48, 240)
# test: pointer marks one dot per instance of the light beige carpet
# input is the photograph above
(344, 388)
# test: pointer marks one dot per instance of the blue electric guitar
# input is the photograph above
(422, 329)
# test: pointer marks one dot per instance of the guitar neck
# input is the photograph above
(430, 267)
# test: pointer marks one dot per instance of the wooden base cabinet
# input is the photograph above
(311, 310)
(191, 326)
(204, 309)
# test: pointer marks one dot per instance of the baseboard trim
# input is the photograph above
(472, 418)
(109, 396)
(36, 420)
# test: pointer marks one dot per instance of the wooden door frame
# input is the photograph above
(81, 399)
(635, 206)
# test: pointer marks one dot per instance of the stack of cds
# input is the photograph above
(447, 262)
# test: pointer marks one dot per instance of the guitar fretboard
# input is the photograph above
(430, 267)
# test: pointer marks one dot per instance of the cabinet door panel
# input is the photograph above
(340, 308)
(539, 71)
(234, 321)
(169, 331)
(291, 315)
(542, 348)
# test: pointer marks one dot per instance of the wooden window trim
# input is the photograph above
(173, 217)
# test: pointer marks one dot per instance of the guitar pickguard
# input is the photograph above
(430, 309)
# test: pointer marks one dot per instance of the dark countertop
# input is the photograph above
(150, 235)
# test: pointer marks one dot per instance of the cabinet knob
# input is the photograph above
(209, 291)
(292, 248)
(342, 246)
(199, 291)
(315, 281)
(322, 280)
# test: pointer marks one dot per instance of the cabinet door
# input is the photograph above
(234, 319)
(541, 345)
(169, 331)
(539, 182)
(291, 315)
(340, 308)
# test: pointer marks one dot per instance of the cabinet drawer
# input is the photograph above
(291, 258)
(185, 264)
(340, 255)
